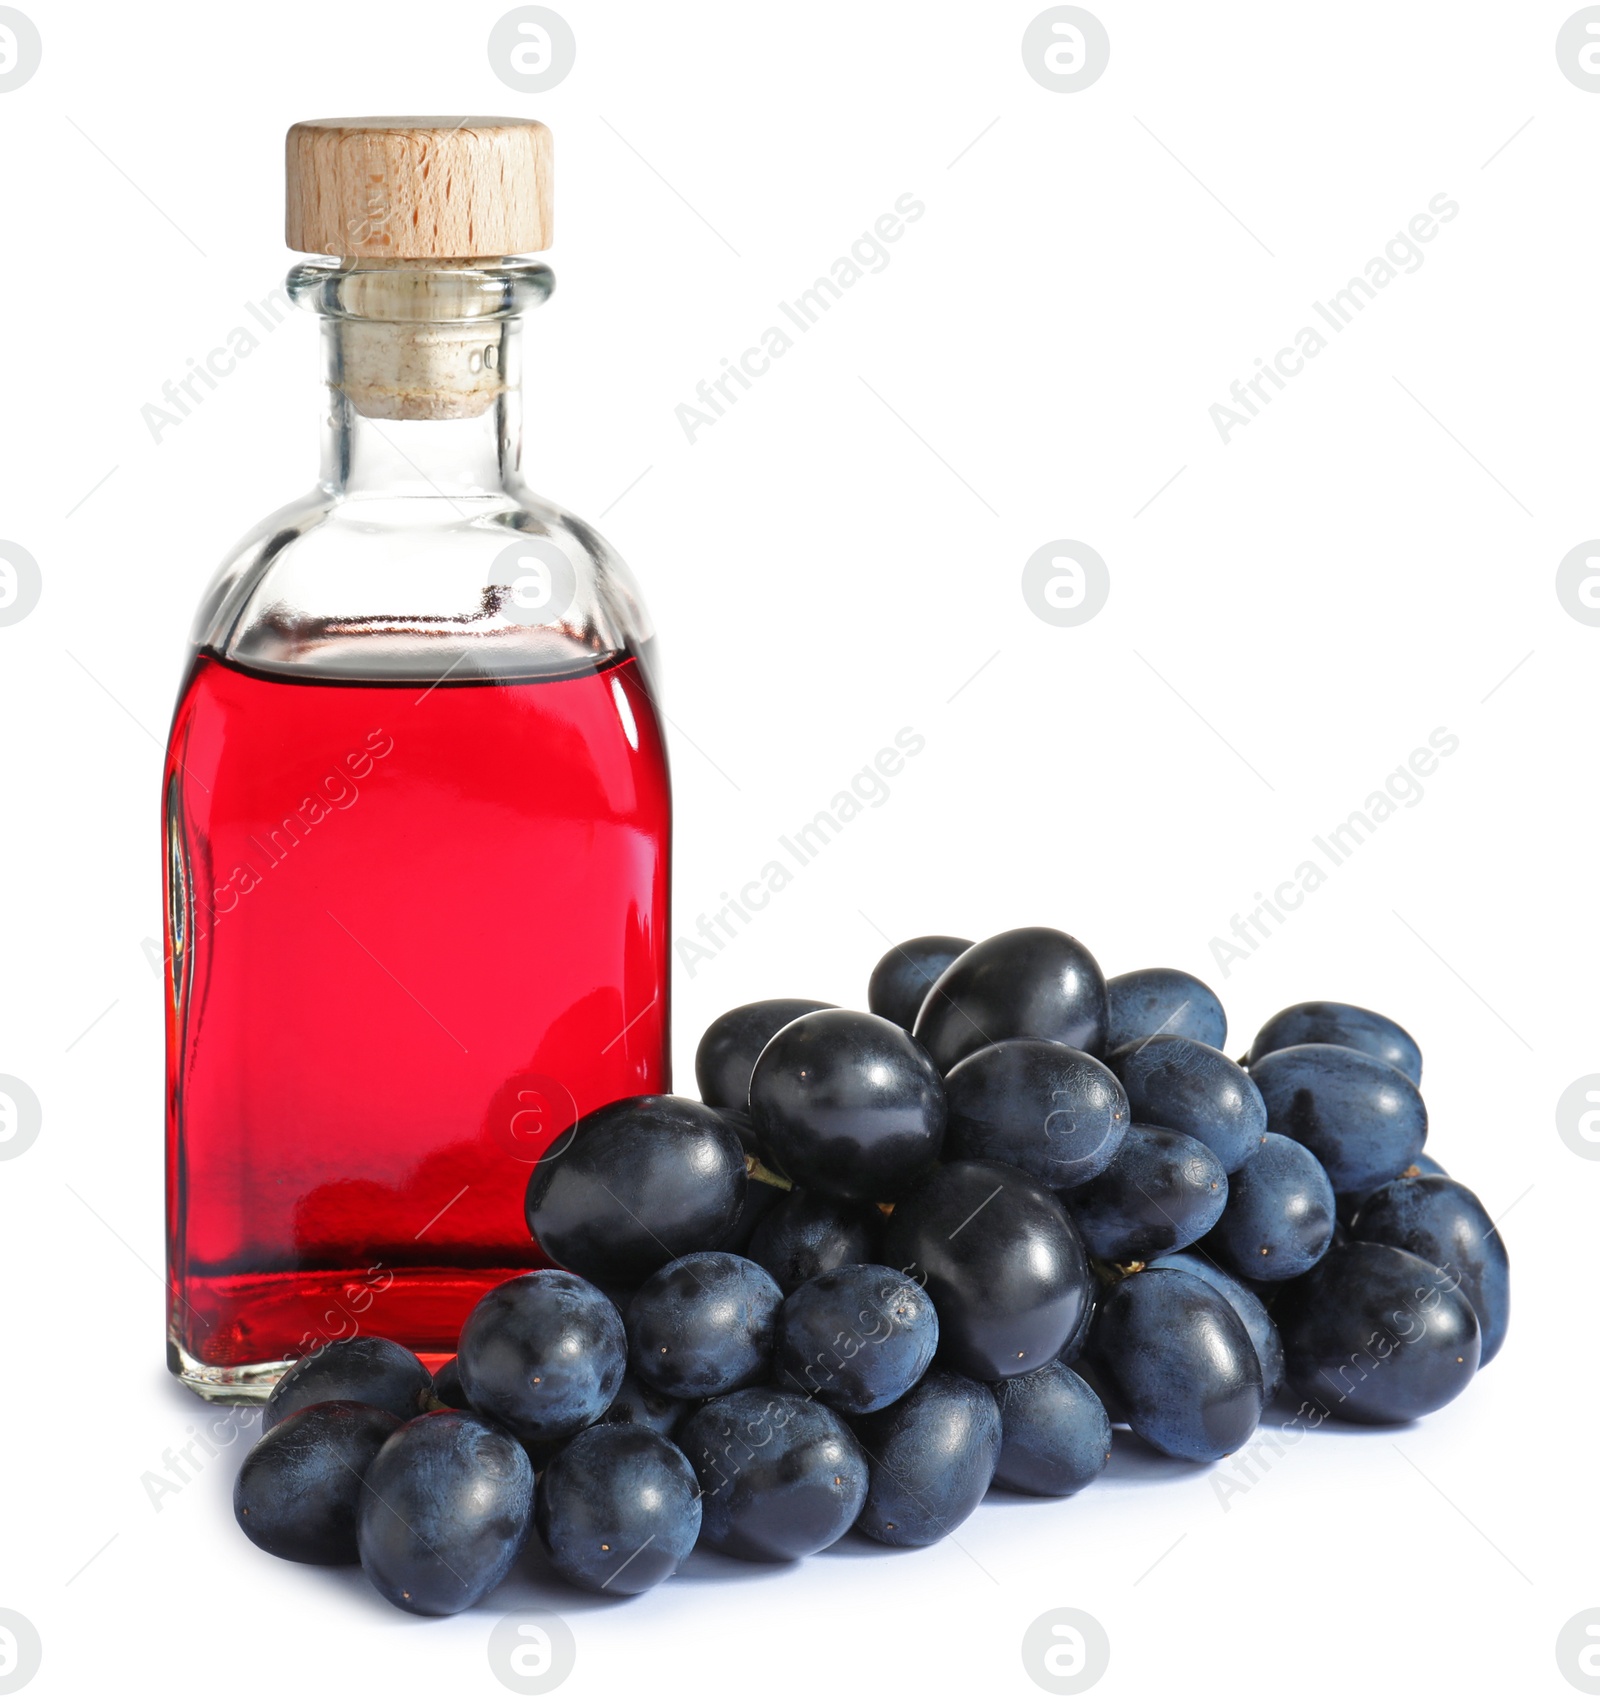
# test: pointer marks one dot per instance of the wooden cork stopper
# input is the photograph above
(419, 188)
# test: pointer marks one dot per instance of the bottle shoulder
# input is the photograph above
(504, 585)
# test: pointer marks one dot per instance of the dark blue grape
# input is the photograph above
(1054, 1433)
(1363, 1119)
(543, 1354)
(1444, 1222)
(367, 1369)
(1028, 984)
(1325, 1022)
(634, 1184)
(905, 972)
(618, 1509)
(1177, 1361)
(446, 1507)
(704, 1325)
(1249, 1306)
(1376, 1335)
(1178, 1083)
(848, 1105)
(1073, 1346)
(780, 1475)
(760, 1198)
(738, 1119)
(1000, 1260)
(729, 1048)
(1347, 1205)
(297, 1492)
(807, 1234)
(1163, 1001)
(858, 1337)
(541, 1453)
(1279, 1217)
(1161, 1192)
(930, 1458)
(638, 1403)
(447, 1390)
(1046, 1108)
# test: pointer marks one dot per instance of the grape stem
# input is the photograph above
(756, 1171)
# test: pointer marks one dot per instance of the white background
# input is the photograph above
(839, 558)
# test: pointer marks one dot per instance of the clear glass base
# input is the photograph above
(227, 1385)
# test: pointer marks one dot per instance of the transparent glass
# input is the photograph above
(416, 839)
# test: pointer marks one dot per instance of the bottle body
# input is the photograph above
(416, 855)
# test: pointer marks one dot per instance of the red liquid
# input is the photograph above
(410, 934)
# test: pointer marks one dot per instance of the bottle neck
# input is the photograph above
(422, 362)
(428, 438)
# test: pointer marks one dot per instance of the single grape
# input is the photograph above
(1376, 1335)
(634, 1184)
(1444, 1222)
(367, 1369)
(1073, 1346)
(1162, 1001)
(1054, 1433)
(905, 972)
(447, 1390)
(543, 1354)
(542, 1452)
(807, 1234)
(704, 1325)
(1279, 1217)
(743, 1125)
(760, 1199)
(618, 1509)
(444, 1511)
(1249, 1306)
(297, 1492)
(729, 1048)
(1046, 1108)
(1001, 1262)
(1363, 1119)
(930, 1458)
(638, 1403)
(1178, 1363)
(1177, 1083)
(1325, 1022)
(780, 1476)
(1027, 984)
(848, 1105)
(858, 1337)
(1347, 1205)
(1161, 1192)
(738, 1119)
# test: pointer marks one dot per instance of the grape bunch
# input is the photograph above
(893, 1258)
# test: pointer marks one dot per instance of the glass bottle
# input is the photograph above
(416, 807)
